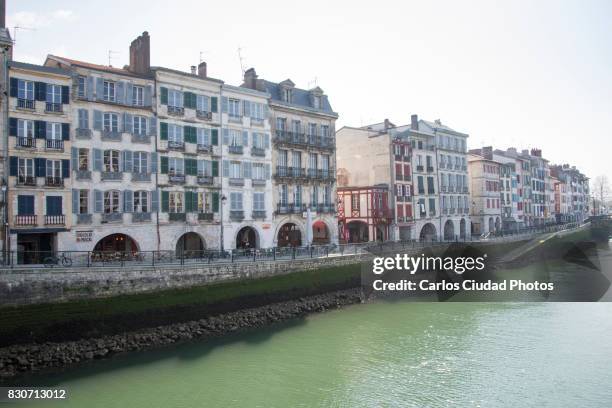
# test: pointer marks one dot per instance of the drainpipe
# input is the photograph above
(220, 141)
(159, 158)
(435, 146)
(7, 245)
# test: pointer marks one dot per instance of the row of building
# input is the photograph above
(420, 182)
(97, 158)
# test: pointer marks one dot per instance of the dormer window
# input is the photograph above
(317, 102)
(287, 95)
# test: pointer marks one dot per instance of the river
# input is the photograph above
(376, 354)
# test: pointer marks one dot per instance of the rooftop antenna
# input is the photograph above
(15, 28)
(110, 56)
(201, 54)
(313, 83)
(241, 60)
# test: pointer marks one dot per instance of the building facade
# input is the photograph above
(486, 213)
(364, 214)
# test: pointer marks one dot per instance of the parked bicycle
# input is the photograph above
(53, 260)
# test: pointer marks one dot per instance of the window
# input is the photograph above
(324, 131)
(111, 201)
(419, 160)
(83, 201)
(204, 202)
(282, 158)
(297, 195)
(25, 204)
(257, 111)
(175, 98)
(141, 203)
(111, 122)
(140, 125)
(54, 131)
(25, 170)
(236, 201)
(258, 140)
(325, 162)
(296, 126)
(25, 128)
(54, 168)
(139, 162)
(420, 184)
(175, 133)
(176, 166)
(296, 159)
(25, 90)
(235, 137)
(327, 195)
(83, 119)
(430, 185)
(421, 204)
(281, 124)
(202, 103)
(82, 90)
(83, 159)
(312, 161)
(109, 91)
(54, 93)
(287, 95)
(204, 168)
(355, 202)
(314, 197)
(258, 171)
(259, 203)
(432, 206)
(137, 96)
(203, 136)
(175, 202)
(54, 205)
(284, 194)
(312, 129)
(317, 102)
(234, 107)
(111, 161)
(235, 170)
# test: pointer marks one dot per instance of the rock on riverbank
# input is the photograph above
(21, 359)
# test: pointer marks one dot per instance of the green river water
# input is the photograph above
(382, 353)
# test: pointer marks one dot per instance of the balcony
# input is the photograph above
(465, 190)
(445, 211)
(54, 182)
(257, 121)
(451, 211)
(26, 104)
(205, 216)
(26, 142)
(141, 138)
(290, 172)
(53, 107)
(235, 149)
(326, 209)
(141, 176)
(112, 217)
(419, 168)
(451, 189)
(53, 144)
(443, 189)
(234, 118)
(141, 216)
(321, 142)
(176, 216)
(25, 220)
(83, 175)
(202, 148)
(205, 180)
(55, 219)
(286, 208)
(236, 215)
(288, 138)
(236, 182)
(203, 115)
(83, 133)
(430, 169)
(259, 214)
(111, 136)
(176, 111)
(112, 175)
(176, 178)
(407, 177)
(442, 165)
(84, 219)
(258, 182)
(178, 145)
(464, 168)
(258, 151)
(26, 180)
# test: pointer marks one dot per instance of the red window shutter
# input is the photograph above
(398, 169)
(409, 210)
(406, 169)
(400, 210)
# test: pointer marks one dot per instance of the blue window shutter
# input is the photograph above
(97, 160)
(13, 165)
(83, 119)
(98, 201)
(155, 200)
(129, 90)
(152, 126)
(40, 90)
(48, 131)
(97, 125)
(65, 95)
(148, 95)
(246, 108)
(213, 104)
(40, 129)
(267, 170)
(245, 138)
(65, 168)
(214, 137)
(127, 161)
(65, 131)
(75, 158)
(14, 85)
(224, 104)
(13, 126)
(41, 166)
(181, 99)
(127, 122)
(265, 111)
(246, 169)
(225, 136)
(225, 168)
(127, 201)
(153, 162)
(99, 88)
(90, 88)
(75, 201)
(267, 140)
(120, 92)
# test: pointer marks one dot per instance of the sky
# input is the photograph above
(514, 73)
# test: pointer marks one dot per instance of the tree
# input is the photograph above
(601, 189)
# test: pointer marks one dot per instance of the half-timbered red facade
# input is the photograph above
(364, 214)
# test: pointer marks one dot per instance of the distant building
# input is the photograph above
(364, 214)
(485, 182)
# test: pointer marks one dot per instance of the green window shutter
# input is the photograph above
(194, 203)
(190, 100)
(214, 137)
(191, 134)
(191, 167)
(164, 164)
(163, 130)
(215, 168)
(213, 104)
(165, 201)
(215, 202)
(188, 202)
(163, 95)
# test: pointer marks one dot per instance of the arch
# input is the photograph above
(491, 224)
(247, 238)
(289, 234)
(497, 224)
(190, 244)
(117, 243)
(358, 232)
(449, 230)
(462, 228)
(320, 233)
(428, 232)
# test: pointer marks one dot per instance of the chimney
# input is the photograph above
(250, 78)
(140, 54)
(193, 70)
(525, 152)
(487, 152)
(536, 152)
(512, 151)
(387, 124)
(2, 13)
(202, 69)
(414, 122)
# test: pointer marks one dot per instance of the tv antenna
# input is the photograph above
(313, 83)
(15, 28)
(110, 56)
(201, 55)
(241, 60)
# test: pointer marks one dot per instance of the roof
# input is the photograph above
(437, 125)
(39, 68)
(89, 65)
(300, 97)
(189, 74)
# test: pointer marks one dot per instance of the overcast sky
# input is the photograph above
(515, 73)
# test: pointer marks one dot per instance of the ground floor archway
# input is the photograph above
(247, 238)
(462, 228)
(428, 232)
(491, 224)
(320, 233)
(116, 243)
(358, 232)
(289, 234)
(190, 244)
(449, 230)
(497, 224)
